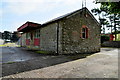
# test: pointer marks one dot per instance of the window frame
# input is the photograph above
(37, 34)
(27, 35)
(85, 32)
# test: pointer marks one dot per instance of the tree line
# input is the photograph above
(9, 36)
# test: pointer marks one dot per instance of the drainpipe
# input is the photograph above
(57, 36)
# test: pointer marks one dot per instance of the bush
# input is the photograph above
(104, 38)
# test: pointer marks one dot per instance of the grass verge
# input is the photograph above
(9, 62)
(44, 52)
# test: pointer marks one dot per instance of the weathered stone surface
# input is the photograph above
(111, 44)
(48, 37)
(71, 31)
(23, 38)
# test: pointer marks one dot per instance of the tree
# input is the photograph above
(112, 15)
(14, 37)
(101, 13)
(6, 35)
(112, 7)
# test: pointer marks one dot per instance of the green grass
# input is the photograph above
(118, 37)
(78, 56)
(2, 45)
(9, 62)
(46, 52)
(42, 52)
(9, 45)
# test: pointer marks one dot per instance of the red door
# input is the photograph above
(27, 41)
(36, 42)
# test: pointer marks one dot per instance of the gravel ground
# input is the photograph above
(100, 65)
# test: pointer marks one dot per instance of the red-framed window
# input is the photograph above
(84, 32)
(28, 35)
(37, 33)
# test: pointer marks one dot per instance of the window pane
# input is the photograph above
(83, 35)
(83, 32)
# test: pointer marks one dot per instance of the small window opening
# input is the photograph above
(84, 33)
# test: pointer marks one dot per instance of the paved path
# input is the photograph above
(100, 65)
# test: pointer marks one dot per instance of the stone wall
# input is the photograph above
(115, 44)
(60, 24)
(23, 40)
(71, 31)
(48, 37)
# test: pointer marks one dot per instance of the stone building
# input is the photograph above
(75, 32)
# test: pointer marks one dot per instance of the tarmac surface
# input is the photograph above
(100, 65)
(16, 54)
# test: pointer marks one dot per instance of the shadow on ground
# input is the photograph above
(38, 62)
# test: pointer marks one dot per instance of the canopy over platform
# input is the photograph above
(28, 26)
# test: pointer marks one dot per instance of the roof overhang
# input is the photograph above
(28, 26)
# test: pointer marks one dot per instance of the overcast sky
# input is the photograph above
(14, 13)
